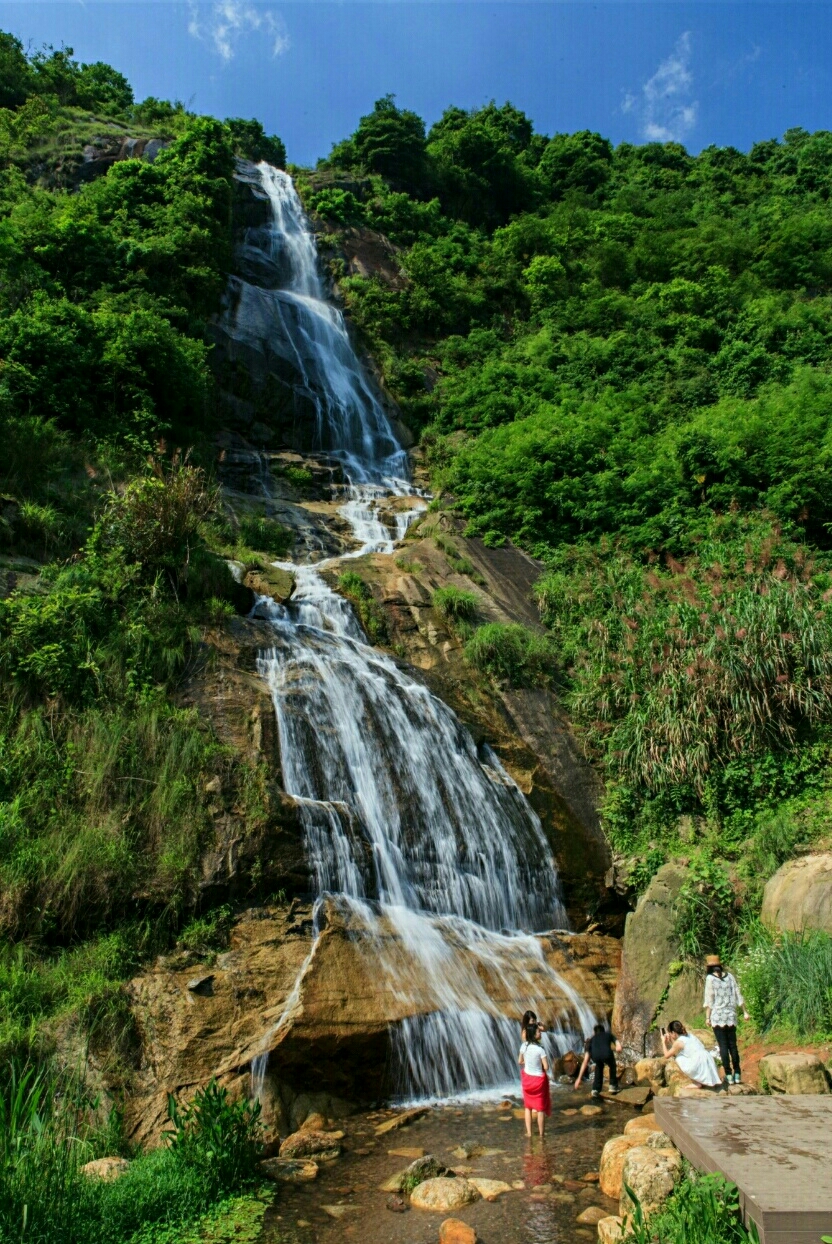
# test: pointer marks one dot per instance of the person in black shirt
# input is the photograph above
(601, 1047)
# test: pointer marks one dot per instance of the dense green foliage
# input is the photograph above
(108, 568)
(787, 983)
(702, 1210)
(619, 358)
(47, 1135)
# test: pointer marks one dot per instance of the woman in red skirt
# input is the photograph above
(534, 1077)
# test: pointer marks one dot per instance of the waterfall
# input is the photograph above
(286, 303)
(434, 858)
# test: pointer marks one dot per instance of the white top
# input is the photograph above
(532, 1056)
(724, 999)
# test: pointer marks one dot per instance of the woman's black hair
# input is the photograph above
(714, 969)
(530, 1032)
(676, 1026)
(529, 1017)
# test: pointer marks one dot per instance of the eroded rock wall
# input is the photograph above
(320, 1008)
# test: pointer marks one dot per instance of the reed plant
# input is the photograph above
(787, 982)
(702, 1210)
(677, 668)
(46, 1136)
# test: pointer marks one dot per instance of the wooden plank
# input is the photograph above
(775, 1149)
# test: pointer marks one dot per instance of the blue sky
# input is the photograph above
(700, 73)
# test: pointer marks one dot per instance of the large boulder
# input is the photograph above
(106, 1169)
(312, 1144)
(651, 1175)
(649, 989)
(799, 895)
(794, 1073)
(650, 1071)
(642, 1125)
(612, 1162)
(443, 1195)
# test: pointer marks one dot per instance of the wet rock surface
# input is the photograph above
(339, 1015)
(535, 1205)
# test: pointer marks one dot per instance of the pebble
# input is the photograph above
(404, 1153)
(397, 1204)
(592, 1215)
(591, 1111)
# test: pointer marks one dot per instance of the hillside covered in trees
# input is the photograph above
(618, 359)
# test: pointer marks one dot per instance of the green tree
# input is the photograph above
(16, 81)
(251, 142)
(391, 141)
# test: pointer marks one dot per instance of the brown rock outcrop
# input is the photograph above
(794, 1073)
(799, 895)
(321, 1002)
(646, 993)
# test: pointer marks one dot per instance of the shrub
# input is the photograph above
(158, 518)
(705, 910)
(455, 604)
(702, 1210)
(216, 1136)
(369, 611)
(510, 652)
(266, 535)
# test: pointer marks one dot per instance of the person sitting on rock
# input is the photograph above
(534, 1077)
(602, 1048)
(691, 1056)
(722, 1001)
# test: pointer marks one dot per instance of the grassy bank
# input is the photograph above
(50, 1131)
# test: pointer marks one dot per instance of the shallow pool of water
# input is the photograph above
(543, 1211)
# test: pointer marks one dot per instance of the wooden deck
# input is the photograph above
(777, 1150)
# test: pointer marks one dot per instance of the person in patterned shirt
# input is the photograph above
(722, 1001)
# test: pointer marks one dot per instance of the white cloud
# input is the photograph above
(225, 22)
(664, 104)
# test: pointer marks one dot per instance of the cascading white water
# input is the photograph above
(409, 830)
(351, 425)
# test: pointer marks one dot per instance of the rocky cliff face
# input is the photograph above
(318, 1001)
(318, 1007)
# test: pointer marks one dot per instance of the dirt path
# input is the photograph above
(542, 1211)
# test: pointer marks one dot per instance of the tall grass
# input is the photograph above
(455, 605)
(787, 982)
(677, 669)
(45, 1138)
(511, 653)
(702, 1210)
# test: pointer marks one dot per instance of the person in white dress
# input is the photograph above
(690, 1054)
